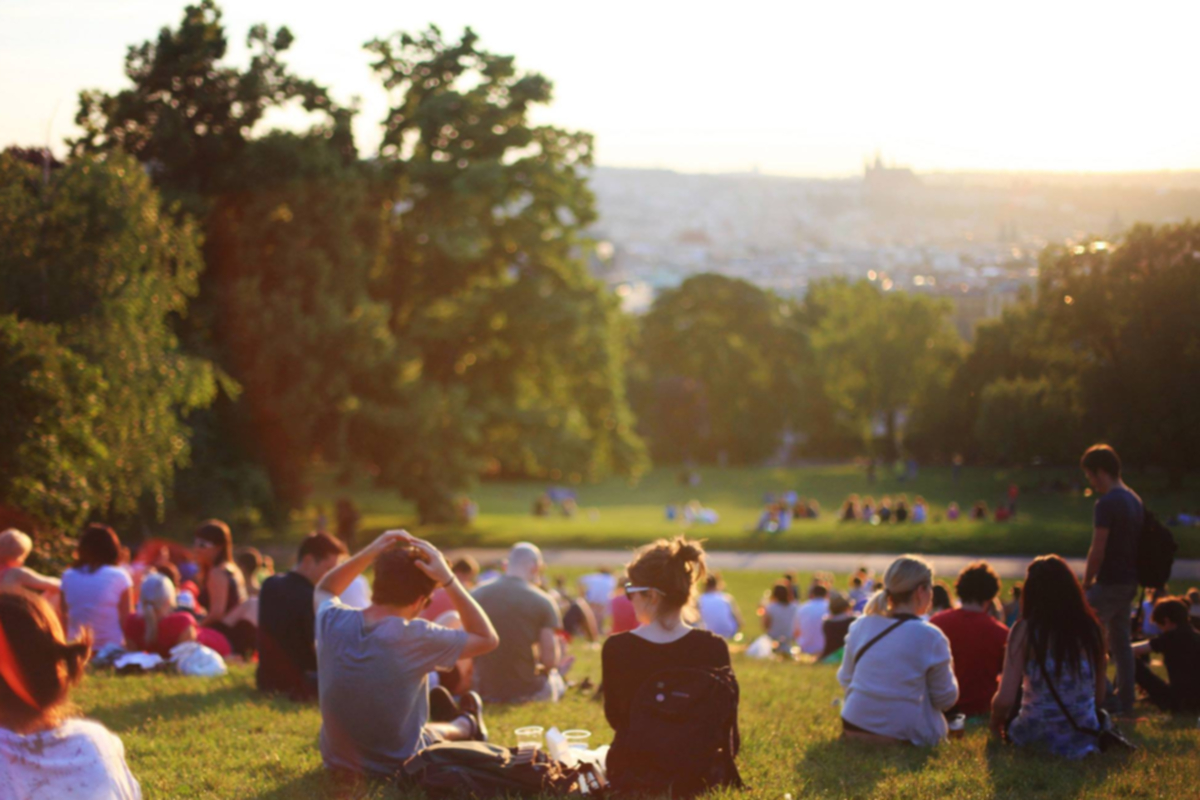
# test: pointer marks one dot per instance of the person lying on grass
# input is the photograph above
(897, 671)
(373, 664)
(45, 754)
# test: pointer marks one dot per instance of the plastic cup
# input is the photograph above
(577, 739)
(529, 740)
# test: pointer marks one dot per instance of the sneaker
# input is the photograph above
(471, 706)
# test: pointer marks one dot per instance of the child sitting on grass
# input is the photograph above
(1179, 644)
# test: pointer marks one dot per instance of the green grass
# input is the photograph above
(217, 738)
(616, 514)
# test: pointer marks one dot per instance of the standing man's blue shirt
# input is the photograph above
(1120, 511)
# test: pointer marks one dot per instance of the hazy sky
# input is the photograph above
(789, 87)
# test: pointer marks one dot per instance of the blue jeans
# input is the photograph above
(1113, 604)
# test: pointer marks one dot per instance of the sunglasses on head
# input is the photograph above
(631, 590)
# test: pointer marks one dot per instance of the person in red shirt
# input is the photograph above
(158, 626)
(977, 640)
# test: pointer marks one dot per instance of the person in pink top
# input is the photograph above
(466, 569)
(624, 615)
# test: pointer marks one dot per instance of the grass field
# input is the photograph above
(198, 738)
(615, 514)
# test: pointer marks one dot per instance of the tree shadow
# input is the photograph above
(128, 716)
(823, 768)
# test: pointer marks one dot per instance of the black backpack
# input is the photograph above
(481, 770)
(682, 735)
(1156, 550)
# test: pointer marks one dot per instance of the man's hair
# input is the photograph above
(465, 566)
(398, 582)
(1174, 609)
(1101, 458)
(320, 546)
(524, 559)
(818, 591)
(977, 583)
(781, 594)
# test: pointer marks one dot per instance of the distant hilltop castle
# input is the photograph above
(878, 177)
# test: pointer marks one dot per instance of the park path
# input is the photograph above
(840, 563)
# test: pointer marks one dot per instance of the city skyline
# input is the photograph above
(795, 91)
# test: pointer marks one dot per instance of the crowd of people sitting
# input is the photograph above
(898, 510)
(412, 659)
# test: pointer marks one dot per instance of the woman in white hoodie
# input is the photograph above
(897, 672)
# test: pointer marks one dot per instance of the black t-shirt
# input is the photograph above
(1120, 511)
(628, 660)
(286, 623)
(1181, 655)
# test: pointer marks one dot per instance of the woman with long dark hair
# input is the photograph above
(1056, 647)
(222, 588)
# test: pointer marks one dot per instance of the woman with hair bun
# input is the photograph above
(45, 754)
(661, 581)
(897, 672)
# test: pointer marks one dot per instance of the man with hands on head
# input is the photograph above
(373, 663)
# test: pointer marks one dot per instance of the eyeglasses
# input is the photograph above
(202, 544)
(631, 590)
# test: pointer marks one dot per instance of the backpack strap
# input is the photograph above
(873, 642)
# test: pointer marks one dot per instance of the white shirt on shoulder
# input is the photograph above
(79, 759)
(92, 598)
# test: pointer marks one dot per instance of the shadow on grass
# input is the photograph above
(1024, 772)
(835, 767)
(202, 702)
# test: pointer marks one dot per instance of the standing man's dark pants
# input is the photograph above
(1112, 604)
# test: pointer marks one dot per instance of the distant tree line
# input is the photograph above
(196, 315)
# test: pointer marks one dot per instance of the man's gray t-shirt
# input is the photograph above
(374, 686)
(519, 612)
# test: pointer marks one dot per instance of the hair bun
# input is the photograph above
(686, 551)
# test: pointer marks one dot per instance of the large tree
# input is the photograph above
(718, 371)
(878, 352)
(95, 385)
(486, 275)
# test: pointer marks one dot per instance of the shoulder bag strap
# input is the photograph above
(1058, 700)
(873, 642)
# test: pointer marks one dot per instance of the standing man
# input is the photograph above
(1111, 577)
(527, 621)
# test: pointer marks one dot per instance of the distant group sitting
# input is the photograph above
(780, 512)
(886, 510)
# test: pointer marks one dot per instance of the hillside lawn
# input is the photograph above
(616, 514)
(217, 738)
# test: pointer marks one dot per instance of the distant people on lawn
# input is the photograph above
(1056, 647)
(373, 664)
(287, 654)
(96, 592)
(1012, 609)
(979, 511)
(1111, 579)
(661, 579)
(953, 512)
(719, 612)
(897, 670)
(808, 620)
(779, 617)
(977, 640)
(524, 667)
(836, 625)
(577, 618)
(223, 589)
(1179, 644)
(45, 754)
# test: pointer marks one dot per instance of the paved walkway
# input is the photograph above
(840, 563)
